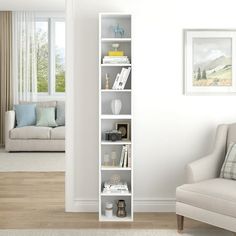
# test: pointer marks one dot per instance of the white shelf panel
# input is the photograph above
(116, 90)
(116, 117)
(116, 39)
(116, 168)
(110, 65)
(104, 142)
(115, 218)
(115, 194)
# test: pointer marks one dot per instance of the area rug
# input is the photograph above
(107, 232)
(32, 161)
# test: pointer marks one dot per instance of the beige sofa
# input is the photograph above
(33, 138)
(206, 197)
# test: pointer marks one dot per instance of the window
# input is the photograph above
(50, 53)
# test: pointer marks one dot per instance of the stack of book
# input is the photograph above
(116, 60)
(125, 159)
(121, 78)
(121, 187)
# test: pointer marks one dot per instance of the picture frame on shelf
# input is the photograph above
(123, 127)
(208, 57)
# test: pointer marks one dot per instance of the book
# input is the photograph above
(115, 59)
(124, 77)
(125, 157)
(115, 53)
(116, 81)
(122, 156)
(119, 83)
(129, 156)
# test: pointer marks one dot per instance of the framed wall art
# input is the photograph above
(209, 61)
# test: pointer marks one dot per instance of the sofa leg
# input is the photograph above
(180, 223)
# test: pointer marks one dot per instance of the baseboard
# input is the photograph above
(140, 205)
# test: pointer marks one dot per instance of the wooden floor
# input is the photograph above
(36, 200)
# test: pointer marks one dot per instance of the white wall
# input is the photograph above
(32, 5)
(170, 129)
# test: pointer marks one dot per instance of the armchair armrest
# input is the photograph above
(9, 123)
(209, 166)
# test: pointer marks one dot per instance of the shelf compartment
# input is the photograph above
(125, 176)
(110, 124)
(109, 21)
(112, 72)
(123, 46)
(125, 99)
(114, 200)
(106, 151)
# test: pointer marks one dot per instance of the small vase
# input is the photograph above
(116, 106)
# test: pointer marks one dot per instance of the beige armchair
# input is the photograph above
(206, 197)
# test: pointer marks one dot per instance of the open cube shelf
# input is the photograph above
(115, 157)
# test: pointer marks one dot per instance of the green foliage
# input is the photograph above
(60, 83)
(204, 74)
(199, 74)
(42, 57)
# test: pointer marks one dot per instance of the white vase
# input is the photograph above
(116, 105)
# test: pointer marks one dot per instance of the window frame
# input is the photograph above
(51, 21)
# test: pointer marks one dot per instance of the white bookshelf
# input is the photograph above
(107, 120)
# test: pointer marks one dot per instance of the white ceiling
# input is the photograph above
(32, 5)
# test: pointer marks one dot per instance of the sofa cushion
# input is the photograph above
(30, 132)
(216, 195)
(228, 170)
(46, 116)
(231, 135)
(58, 132)
(25, 114)
(60, 113)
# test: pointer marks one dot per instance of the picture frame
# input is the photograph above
(209, 61)
(124, 128)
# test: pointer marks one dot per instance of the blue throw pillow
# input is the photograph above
(25, 114)
(60, 113)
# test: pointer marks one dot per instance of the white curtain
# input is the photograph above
(24, 57)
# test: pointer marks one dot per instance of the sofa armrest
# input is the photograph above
(209, 166)
(9, 123)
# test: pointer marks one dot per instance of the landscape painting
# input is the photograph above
(212, 62)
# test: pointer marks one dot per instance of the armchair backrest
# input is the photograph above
(231, 136)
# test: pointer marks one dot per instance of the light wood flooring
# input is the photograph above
(30, 200)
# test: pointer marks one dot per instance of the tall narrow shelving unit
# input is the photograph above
(108, 121)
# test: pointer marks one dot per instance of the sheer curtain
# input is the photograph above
(24, 57)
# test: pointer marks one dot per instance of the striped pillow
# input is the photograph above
(228, 170)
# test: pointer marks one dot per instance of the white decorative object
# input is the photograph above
(106, 159)
(113, 158)
(109, 210)
(116, 106)
(107, 85)
(115, 46)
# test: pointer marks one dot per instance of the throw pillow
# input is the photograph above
(46, 116)
(228, 170)
(25, 114)
(60, 114)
